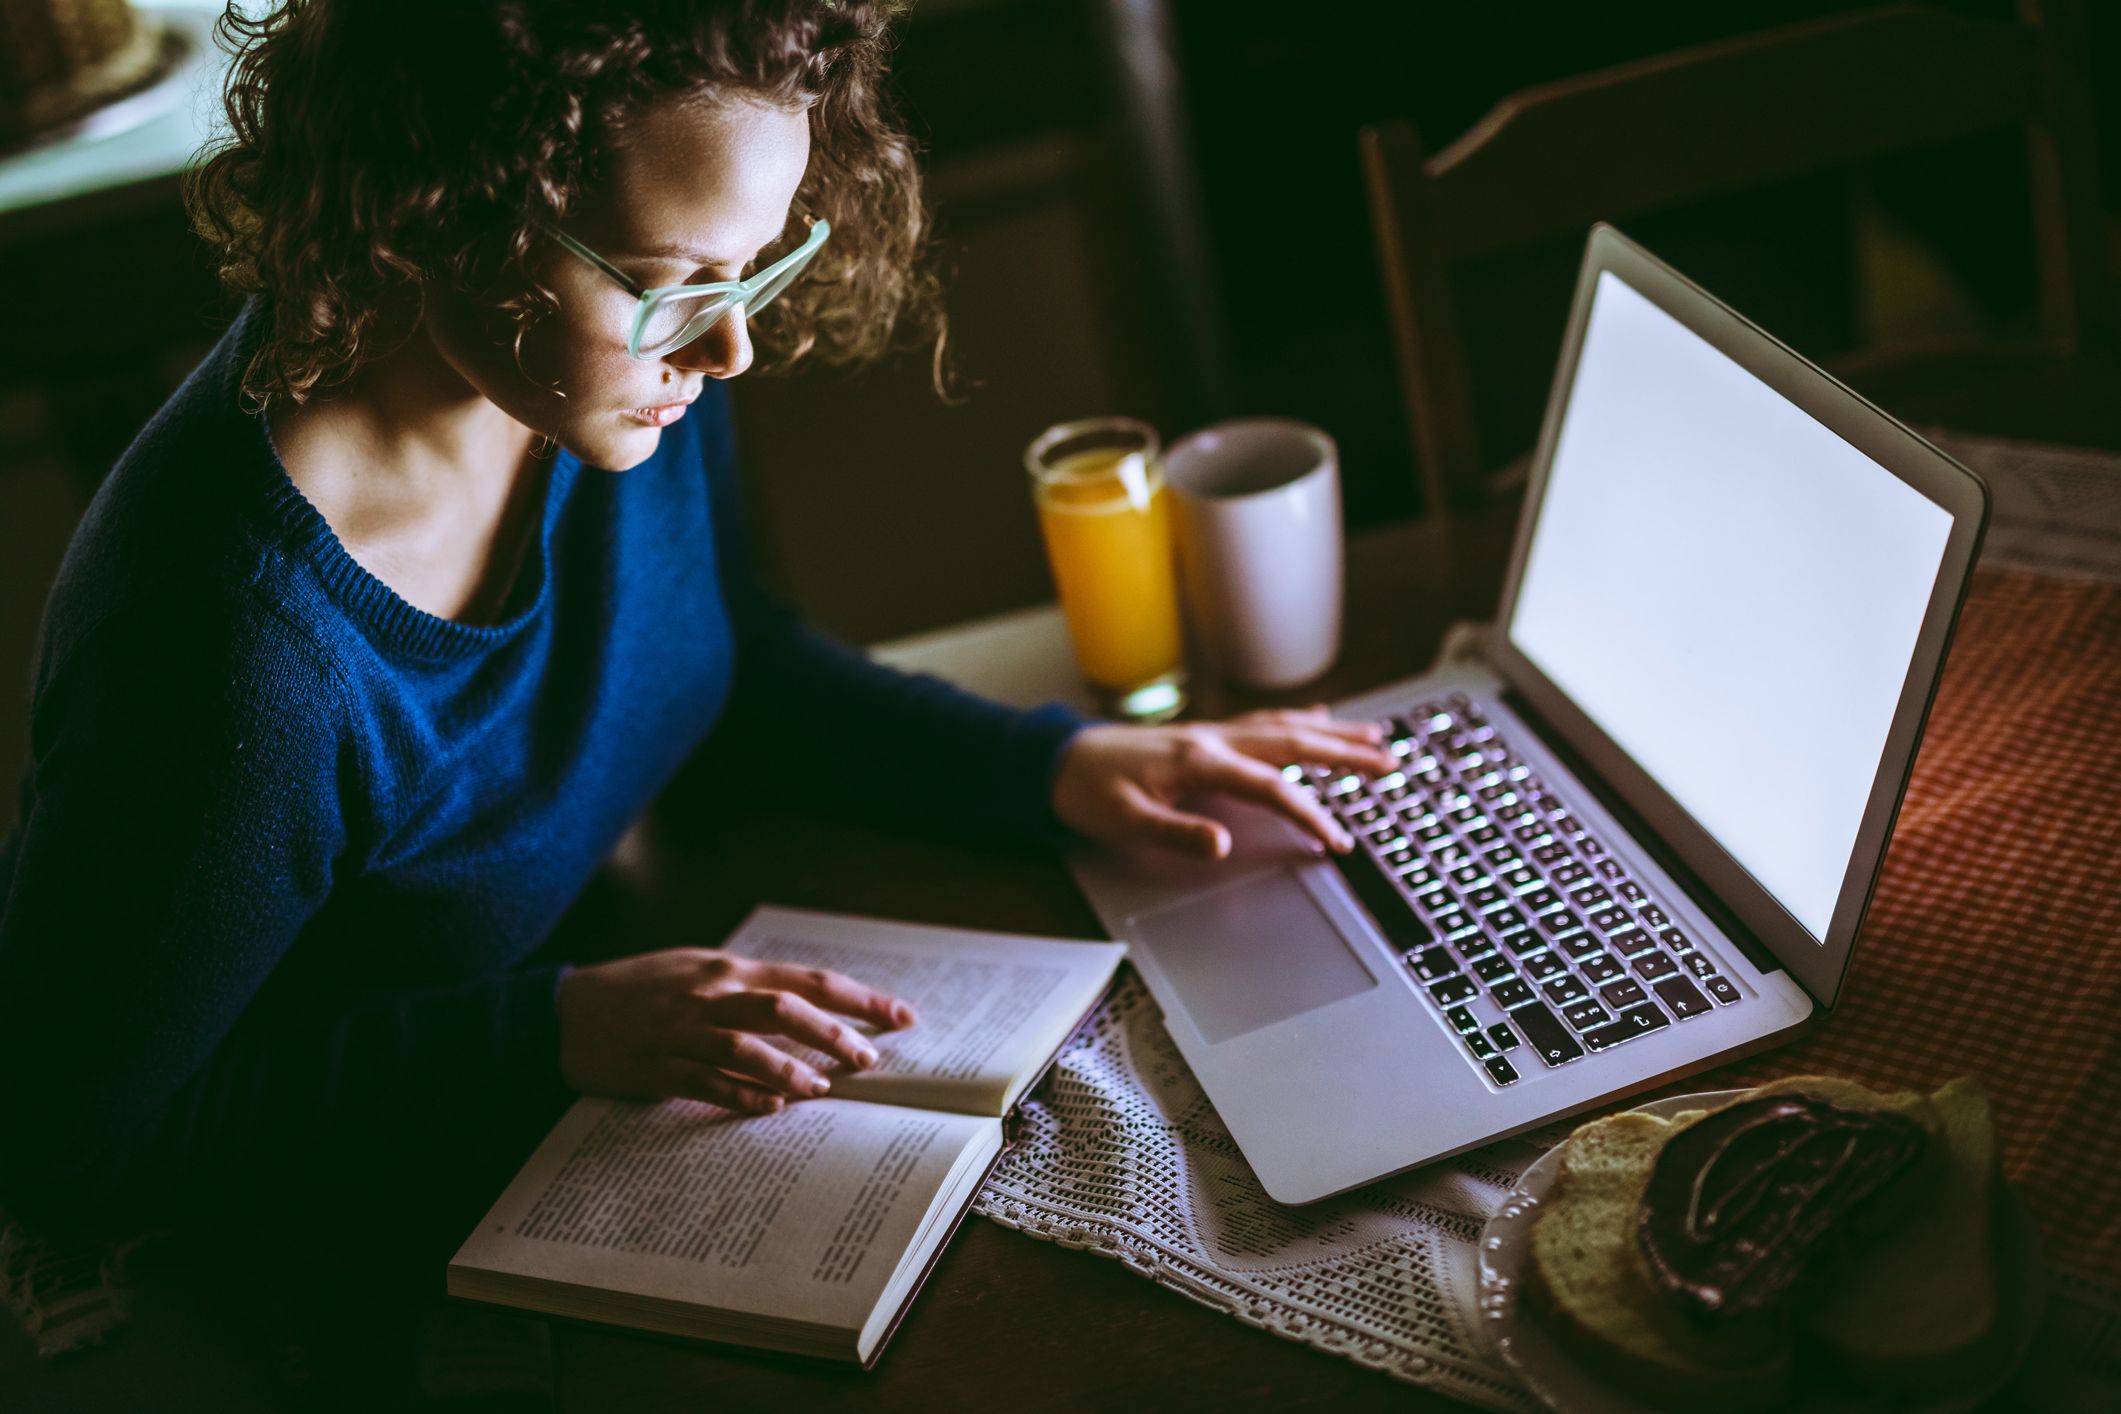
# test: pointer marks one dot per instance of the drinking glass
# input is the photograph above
(1106, 520)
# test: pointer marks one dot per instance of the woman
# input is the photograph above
(350, 679)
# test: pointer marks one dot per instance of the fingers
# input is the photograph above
(1178, 830)
(838, 992)
(777, 1013)
(1328, 750)
(1253, 779)
(692, 1080)
(1312, 734)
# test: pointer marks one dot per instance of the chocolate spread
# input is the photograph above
(1739, 1202)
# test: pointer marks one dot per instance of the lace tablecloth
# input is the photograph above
(1121, 1153)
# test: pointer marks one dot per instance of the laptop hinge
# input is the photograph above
(1631, 820)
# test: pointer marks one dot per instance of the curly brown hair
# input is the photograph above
(379, 145)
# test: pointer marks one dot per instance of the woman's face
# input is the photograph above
(696, 189)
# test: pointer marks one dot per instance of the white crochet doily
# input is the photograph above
(1122, 1154)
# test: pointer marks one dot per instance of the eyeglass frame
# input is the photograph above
(739, 292)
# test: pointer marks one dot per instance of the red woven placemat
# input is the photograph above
(1993, 946)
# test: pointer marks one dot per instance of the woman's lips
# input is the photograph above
(661, 416)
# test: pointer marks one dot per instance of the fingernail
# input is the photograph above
(865, 1055)
(819, 1085)
(902, 1014)
(1343, 841)
(772, 1106)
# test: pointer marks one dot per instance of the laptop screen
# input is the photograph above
(1730, 591)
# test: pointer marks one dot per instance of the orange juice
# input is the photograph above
(1107, 524)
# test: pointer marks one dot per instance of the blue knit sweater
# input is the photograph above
(286, 839)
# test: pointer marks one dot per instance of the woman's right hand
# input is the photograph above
(693, 1022)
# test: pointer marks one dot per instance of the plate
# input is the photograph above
(1562, 1384)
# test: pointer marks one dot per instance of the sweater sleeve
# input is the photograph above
(193, 792)
(903, 750)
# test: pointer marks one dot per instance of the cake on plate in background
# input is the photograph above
(60, 60)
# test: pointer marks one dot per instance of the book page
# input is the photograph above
(799, 1217)
(992, 1007)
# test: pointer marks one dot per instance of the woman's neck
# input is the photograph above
(425, 482)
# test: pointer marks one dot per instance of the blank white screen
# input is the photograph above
(1730, 591)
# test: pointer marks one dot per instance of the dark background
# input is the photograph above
(884, 511)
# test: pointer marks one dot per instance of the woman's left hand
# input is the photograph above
(1121, 784)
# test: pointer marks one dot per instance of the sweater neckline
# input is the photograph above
(299, 526)
(382, 610)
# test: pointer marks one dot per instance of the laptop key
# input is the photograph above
(1630, 941)
(1611, 869)
(1645, 1018)
(1600, 968)
(1569, 874)
(1479, 1045)
(1565, 989)
(1721, 989)
(1504, 1038)
(1468, 874)
(1515, 992)
(1461, 1019)
(1501, 1069)
(1654, 916)
(1624, 993)
(1493, 968)
(1681, 996)
(1632, 891)
(1593, 897)
(1433, 964)
(1542, 965)
(1518, 878)
(1698, 965)
(1552, 853)
(1600, 1038)
(1654, 966)
(1607, 920)
(1522, 943)
(1545, 1034)
(1540, 900)
(1485, 897)
(1473, 947)
(1452, 989)
(1507, 920)
(1560, 921)
(1676, 940)
(1585, 1014)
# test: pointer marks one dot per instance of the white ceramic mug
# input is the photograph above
(1259, 542)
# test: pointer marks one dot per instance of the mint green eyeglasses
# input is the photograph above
(672, 316)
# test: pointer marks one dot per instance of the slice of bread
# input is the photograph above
(1918, 1309)
(1585, 1282)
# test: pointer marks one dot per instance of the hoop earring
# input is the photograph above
(523, 325)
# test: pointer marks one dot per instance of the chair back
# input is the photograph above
(1717, 118)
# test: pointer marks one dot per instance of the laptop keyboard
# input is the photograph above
(1492, 888)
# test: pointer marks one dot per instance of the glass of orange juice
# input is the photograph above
(1106, 519)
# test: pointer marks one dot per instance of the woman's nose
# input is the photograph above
(723, 351)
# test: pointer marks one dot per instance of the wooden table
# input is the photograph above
(1008, 1321)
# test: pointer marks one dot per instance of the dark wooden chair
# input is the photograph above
(1550, 160)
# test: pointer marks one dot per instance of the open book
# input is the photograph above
(809, 1230)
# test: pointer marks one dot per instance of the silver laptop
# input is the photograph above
(1643, 841)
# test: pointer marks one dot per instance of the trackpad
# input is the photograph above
(1252, 954)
